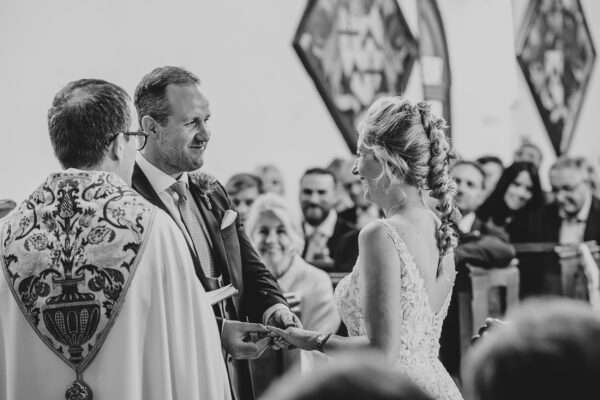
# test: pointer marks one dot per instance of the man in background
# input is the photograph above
(362, 210)
(479, 244)
(331, 242)
(243, 189)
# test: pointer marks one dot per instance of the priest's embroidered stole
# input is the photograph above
(69, 254)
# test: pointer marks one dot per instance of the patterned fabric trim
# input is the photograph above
(69, 254)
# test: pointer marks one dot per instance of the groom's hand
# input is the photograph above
(244, 340)
(284, 318)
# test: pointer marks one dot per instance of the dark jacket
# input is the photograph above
(544, 225)
(234, 255)
(342, 245)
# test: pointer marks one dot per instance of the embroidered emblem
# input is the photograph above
(69, 253)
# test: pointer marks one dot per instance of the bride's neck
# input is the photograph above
(402, 199)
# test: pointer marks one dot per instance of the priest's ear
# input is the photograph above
(117, 148)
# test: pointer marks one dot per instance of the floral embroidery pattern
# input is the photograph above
(69, 253)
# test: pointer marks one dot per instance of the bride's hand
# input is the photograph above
(300, 338)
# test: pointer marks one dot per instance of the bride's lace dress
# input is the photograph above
(420, 326)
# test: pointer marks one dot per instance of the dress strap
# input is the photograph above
(395, 236)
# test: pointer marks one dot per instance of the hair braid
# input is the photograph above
(439, 181)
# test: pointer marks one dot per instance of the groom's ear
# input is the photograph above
(150, 126)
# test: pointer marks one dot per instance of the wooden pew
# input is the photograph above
(553, 269)
(493, 292)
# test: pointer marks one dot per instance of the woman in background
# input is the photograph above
(308, 289)
(517, 194)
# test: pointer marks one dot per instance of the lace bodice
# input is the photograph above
(420, 326)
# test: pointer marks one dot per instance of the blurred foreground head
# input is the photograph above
(548, 349)
(357, 377)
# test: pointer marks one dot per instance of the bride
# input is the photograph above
(397, 295)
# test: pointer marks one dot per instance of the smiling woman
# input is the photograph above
(279, 242)
(517, 193)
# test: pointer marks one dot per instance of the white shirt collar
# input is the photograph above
(326, 228)
(159, 180)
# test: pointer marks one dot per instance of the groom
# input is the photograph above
(174, 112)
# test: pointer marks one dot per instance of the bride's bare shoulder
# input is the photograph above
(374, 233)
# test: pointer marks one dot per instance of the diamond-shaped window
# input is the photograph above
(355, 51)
(556, 54)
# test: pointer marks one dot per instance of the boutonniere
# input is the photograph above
(206, 184)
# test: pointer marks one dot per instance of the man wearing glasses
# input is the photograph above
(98, 297)
(574, 215)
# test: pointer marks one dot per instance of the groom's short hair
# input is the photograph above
(150, 97)
(83, 118)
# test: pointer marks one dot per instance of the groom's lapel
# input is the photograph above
(142, 185)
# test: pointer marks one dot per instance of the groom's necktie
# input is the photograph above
(196, 229)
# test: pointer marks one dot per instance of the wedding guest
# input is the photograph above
(331, 242)
(517, 195)
(343, 199)
(529, 152)
(480, 244)
(493, 168)
(243, 189)
(362, 210)
(574, 215)
(547, 349)
(98, 297)
(173, 110)
(272, 179)
(279, 241)
(358, 376)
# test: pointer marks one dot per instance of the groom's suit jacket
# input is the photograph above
(234, 256)
(236, 260)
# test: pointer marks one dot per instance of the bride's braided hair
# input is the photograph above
(411, 144)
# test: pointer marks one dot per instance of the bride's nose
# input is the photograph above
(355, 168)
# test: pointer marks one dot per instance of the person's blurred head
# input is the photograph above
(243, 189)
(548, 349)
(570, 182)
(272, 179)
(317, 194)
(402, 147)
(352, 185)
(470, 185)
(89, 123)
(518, 190)
(493, 168)
(529, 152)
(354, 377)
(173, 110)
(271, 228)
(337, 167)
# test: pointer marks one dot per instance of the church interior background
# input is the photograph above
(288, 80)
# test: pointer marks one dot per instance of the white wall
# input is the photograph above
(265, 107)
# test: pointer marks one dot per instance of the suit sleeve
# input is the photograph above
(261, 290)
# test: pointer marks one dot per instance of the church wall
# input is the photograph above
(265, 107)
